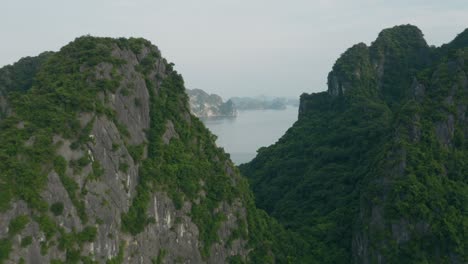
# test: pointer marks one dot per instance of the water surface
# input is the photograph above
(250, 130)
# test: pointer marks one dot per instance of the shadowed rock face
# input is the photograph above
(100, 200)
(394, 55)
(375, 166)
(4, 109)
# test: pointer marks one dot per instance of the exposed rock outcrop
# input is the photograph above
(207, 105)
(120, 172)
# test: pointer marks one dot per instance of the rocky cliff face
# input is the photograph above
(210, 105)
(102, 162)
(394, 55)
(376, 165)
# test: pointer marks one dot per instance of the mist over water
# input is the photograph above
(250, 130)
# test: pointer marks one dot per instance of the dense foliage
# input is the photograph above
(376, 167)
(48, 93)
(381, 158)
(192, 169)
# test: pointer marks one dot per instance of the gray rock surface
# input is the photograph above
(110, 195)
(4, 109)
(203, 104)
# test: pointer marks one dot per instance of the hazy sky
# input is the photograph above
(230, 47)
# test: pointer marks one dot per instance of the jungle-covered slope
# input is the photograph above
(102, 162)
(375, 170)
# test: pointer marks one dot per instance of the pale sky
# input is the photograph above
(230, 47)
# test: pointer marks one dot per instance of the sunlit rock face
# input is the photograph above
(107, 190)
(206, 105)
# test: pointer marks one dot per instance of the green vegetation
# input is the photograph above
(192, 169)
(179, 167)
(371, 147)
(47, 101)
(18, 224)
(136, 151)
(371, 162)
(120, 256)
(47, 92)
(57, 208)
(19, 76)
(98, 171)
(72, 243)
(87, 235)
(26, 241)
(71, 186)
(46, 225)
(5, 248)
(160, 259)
(401, 51)
(123, 167)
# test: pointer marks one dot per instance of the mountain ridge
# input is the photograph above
(102, 162)
(368, 164)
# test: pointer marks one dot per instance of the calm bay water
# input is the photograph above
(250, 130)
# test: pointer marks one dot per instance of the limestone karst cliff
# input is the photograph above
(375, 170)
(206, 105)
(102, 162)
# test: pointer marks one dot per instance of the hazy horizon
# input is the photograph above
(230, 48)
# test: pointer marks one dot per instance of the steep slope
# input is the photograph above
(203, 104)
(17, 78)
(101, 162)
(375, 170)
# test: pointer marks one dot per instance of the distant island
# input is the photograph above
(207, 105)
(264, 103)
